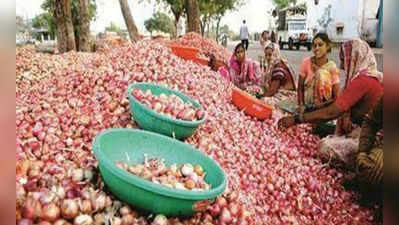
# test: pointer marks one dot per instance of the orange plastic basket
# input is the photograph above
(251, 105)
(184, 52)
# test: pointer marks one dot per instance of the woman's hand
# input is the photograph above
(286, 122)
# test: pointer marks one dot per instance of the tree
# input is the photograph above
(215, 10)
(193, 17)
(63, 18)
(131, 26)
(45, 20)
(114, 28)
(84, 22)
(48, 18)
(177, 8)
(160, 22)
(280, 4)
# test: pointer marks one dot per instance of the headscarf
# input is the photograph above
(359, 59)
(276, 60)
(247, 71)
(276, 52)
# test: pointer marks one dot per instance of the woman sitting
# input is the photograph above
(278, 74)
(319, 77)
(242, 71)
(362, 92)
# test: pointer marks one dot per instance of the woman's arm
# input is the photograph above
(328, 113)
(335, 91)
(273, 88)
(301, 91)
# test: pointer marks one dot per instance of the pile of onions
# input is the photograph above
(184, 177)
(205, 45)
(169, 105)
(274, 177)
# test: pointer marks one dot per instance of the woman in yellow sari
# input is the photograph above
(318, 83)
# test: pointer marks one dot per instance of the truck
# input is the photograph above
(357, 19)
(292, 29)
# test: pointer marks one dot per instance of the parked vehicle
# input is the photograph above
(293, 30)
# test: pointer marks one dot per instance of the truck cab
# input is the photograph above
(293, 30)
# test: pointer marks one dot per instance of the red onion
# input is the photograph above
(127, 219)
(32, 209)
(225, 216)
(69, 208)
(51, 212)
(63, 101)
(85, 206)
(44, 223)
(25, 222)
(61, 222)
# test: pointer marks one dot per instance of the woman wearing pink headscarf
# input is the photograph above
(242, 71)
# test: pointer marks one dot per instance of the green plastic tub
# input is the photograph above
(130, 145)
(150, 120)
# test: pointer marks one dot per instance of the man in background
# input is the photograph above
(244, 35)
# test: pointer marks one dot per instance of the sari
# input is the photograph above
(319, 81)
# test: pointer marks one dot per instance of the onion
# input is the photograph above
(63, 101)
(125, 210)
(99, 219)
(85, 206)
(61, 222)
(160, 220)
(198, 169)
(77, 175)
(116, 221)
(24, 222)
(127, 219)
(83, 220)
(51, 212)
(222, 202)
(69, 208)
(187, 169)
(32, 209)
(44, 223)
(225, 216)
(98, 202)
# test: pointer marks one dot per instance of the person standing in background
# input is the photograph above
(244, 35)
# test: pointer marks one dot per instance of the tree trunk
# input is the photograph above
(203, 25)
(84, 37)
(217, 28)
(131, 26)
(177, 16)
(61, 28)
(69, 26)
(63, 18)
(193, 20)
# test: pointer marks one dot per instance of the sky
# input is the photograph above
(255, 12)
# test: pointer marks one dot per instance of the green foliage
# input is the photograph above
(114, 28)
(283, 3)
(160, 22)
(47, 20)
